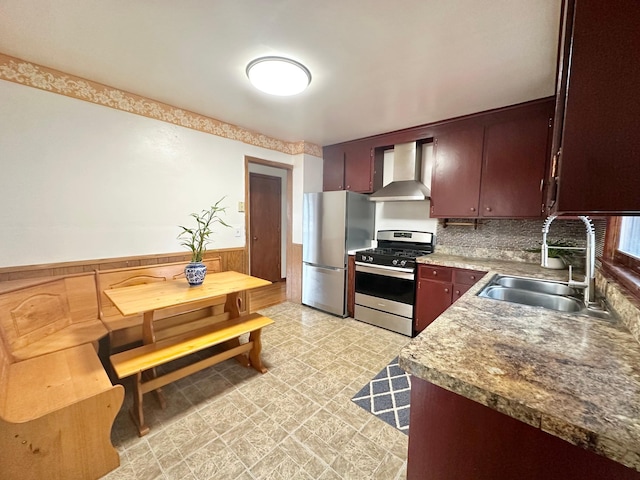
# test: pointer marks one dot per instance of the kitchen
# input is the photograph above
(497, 233)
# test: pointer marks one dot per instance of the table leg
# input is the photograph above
(232, 304)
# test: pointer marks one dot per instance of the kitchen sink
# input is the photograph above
(535, 285)
(559, 303)
(548, 294)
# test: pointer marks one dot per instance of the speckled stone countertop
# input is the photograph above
(573, 376)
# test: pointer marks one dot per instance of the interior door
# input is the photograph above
(265, 219)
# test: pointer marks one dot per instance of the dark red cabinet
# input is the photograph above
(596, 147)
(333, 168)
(493, 165)
(452, 437)
(352, 166)
(437, 288)
(455, 180)
(516, 151)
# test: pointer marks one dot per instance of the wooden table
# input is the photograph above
(149, 297)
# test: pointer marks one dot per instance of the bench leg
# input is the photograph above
(242, 358)
(254, 353)
(137, 414)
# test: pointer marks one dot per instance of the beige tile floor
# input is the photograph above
(295, 422)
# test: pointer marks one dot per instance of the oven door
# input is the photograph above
(385, 297)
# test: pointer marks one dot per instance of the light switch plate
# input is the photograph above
(240, 207)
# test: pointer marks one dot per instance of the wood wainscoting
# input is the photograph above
(294, 273)
(231, 259)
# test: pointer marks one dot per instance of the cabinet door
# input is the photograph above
(515, 157)
(432, 298)
(333, 168)
(358, 168)
(455, 182)
(597, 142)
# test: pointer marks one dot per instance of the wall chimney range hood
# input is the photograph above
(406, 184)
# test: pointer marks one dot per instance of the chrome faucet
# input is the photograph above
(590, 257)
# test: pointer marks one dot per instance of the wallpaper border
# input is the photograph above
(26, 73)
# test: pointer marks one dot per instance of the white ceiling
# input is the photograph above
(377, 65)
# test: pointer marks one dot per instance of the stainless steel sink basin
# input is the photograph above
(548, 294)
(536, 285)
(559, 303)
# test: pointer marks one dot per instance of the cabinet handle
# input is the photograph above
(457, 292)
(473, 209)
(339, 187)
(472, 277)
(348, 187)
(488, 209)
(541, 183)
(446, 290)
(435, 273)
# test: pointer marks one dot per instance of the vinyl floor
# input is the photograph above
(295, 422)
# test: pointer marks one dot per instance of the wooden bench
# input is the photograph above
(142, 361)
(127, 330)
(56, 415)
(57, 405)
(50, 315)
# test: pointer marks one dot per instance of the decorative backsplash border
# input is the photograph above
(25, 73)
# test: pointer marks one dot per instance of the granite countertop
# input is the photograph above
(573, 376)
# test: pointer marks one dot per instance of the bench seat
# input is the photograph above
(56, 413)
(142, 361)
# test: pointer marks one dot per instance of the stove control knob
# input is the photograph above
(370, 258)
(403, 263)
(395, 262)
(363, 258)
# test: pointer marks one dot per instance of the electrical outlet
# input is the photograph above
(238, 232)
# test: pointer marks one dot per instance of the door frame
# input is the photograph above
(289, 198)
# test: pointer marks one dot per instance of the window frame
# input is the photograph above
(623, 268)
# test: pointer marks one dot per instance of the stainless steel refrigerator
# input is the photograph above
(333, 224)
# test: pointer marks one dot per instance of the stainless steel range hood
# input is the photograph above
(406, 184)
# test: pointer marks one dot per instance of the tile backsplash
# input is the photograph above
(514, 236)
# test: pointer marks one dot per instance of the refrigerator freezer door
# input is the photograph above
(324, 229)
(324, 289)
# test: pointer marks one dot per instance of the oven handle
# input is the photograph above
(406, 273)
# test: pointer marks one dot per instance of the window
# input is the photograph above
(629, 241)
(621, 256)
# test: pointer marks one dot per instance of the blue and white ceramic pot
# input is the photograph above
(195, 273)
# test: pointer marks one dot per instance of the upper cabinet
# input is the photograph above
(596, 142)
(493, 165)
(455, 178)
(352, 166)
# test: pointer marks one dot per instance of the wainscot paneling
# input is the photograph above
(294, 273)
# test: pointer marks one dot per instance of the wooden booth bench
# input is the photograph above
(215, 322)
(57, 405)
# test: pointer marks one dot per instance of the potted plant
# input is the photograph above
(196, 239)
(558, 258)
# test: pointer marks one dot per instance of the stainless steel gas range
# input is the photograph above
(385, 279)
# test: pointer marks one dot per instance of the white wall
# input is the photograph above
(307, 177)
(81, 181)
(410, 215)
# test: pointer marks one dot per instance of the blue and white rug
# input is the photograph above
(387, 396)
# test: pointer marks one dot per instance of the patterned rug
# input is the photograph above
(387, 396)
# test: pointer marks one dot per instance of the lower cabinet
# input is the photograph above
(452, 437)
(437, 288)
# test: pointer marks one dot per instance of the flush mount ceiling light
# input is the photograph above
(278, 75)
